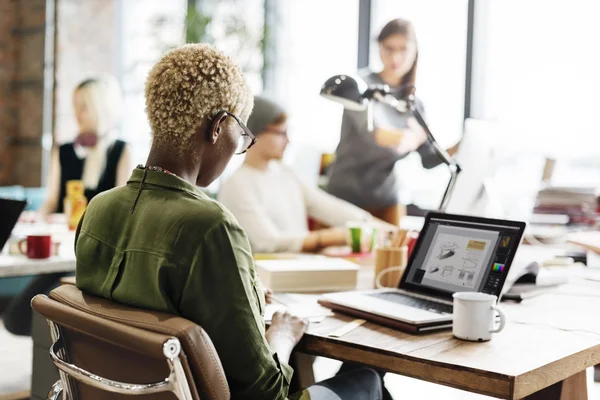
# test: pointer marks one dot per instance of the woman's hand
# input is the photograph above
(285, 332)
(452, 150)
(334, 237)
(323, 238)
(414, 137)
(402, 140)
(268, 295)
(30, 217)
(286, 327)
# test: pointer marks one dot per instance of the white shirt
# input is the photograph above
(273, 207)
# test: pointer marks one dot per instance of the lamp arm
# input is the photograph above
(441, 153)
(454, 171)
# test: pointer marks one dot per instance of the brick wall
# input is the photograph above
(86, 45)
(22, 38)
(8, 68)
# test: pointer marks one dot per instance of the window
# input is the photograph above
(538, 74)
(441, 28)
(314, 40)
(146, 29)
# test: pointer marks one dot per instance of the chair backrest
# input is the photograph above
(127, 344)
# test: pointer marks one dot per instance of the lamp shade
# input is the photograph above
(346, 90)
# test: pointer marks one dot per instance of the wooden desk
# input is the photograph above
(20, 265)
(543, 353)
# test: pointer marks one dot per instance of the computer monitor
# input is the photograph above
(10, 210)
(487, 186)
(473, 193)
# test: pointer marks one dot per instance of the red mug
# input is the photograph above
(38, 246)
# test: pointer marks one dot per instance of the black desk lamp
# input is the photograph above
(354, 94)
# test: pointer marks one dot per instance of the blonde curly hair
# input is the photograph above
(188, 85)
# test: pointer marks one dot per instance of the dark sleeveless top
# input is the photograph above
(71, 168)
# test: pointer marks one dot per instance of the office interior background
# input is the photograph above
(527, 67)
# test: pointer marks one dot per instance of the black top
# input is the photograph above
(71, 168)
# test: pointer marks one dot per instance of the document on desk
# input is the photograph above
(527, 255)
(314, 313)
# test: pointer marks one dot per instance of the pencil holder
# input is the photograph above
(390, 263)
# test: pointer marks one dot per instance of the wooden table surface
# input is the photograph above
(548, 342)
(20, 265)
(544, 350)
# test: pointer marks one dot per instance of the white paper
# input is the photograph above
(312, 312)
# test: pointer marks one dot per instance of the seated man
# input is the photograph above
(160, 243)
(269, 200)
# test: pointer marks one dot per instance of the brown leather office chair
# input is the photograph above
(67, 280)
(105, 350)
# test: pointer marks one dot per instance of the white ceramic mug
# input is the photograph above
(474, 316)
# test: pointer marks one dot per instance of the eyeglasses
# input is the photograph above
(276, 132)
(393, 51)
(247, 138)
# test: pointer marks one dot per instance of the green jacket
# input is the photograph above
(175, 250)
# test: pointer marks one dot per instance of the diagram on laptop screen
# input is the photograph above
(456, 260)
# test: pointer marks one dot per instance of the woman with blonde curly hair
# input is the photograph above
(160, 243)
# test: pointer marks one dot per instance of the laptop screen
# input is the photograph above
(10, 210)
(460, 254)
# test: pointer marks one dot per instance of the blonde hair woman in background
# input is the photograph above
(96, 156)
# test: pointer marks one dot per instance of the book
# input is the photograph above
(308, 275)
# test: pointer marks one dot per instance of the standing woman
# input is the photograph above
(363, 172)
(96, 157)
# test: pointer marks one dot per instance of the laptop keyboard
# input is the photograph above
(415, 302)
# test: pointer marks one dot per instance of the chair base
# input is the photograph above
(56, 392)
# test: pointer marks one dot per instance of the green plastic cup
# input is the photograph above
(356, 238)
(362, 237)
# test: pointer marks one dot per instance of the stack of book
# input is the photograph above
(318, 274)
(580, 204)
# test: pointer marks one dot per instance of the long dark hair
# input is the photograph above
(403, 27)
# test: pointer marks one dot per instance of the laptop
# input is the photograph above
(10, 210)
(454, 253)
